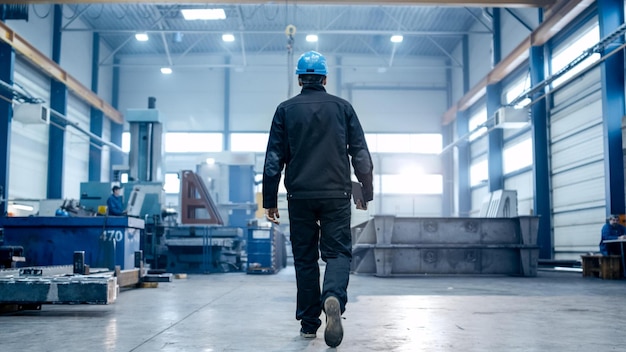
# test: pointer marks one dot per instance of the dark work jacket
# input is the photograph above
(314, 134)
(610, 233)
(115, 205)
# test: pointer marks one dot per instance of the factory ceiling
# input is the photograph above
(342, 27)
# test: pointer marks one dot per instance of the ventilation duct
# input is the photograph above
(14, 12)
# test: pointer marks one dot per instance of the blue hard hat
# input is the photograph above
(312, 63)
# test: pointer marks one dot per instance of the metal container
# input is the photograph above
(389, 245)
(106, 241)
(266, 250)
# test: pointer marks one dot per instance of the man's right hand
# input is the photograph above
(272, 215)
(360, 205)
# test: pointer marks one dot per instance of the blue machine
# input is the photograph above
(107, 241)
(266, 250)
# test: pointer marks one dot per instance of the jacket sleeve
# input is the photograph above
(360, 155)
(274, 160)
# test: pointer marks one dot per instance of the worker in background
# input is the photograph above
(115, 205)
(313, 134)
(612, 230)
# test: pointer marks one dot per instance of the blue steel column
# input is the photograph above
(58, 102)
(496, 141)
(117, 157)
(541, 168)
(227, 70)
(96, 118)
(7, 63)
(495, 137)
(463, 149)
(611, 16)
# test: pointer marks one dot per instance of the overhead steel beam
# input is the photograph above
(49, 67)
(560, 16)
(317, 31)
(479, 3)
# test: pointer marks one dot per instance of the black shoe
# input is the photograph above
(334, 332)
(307, 335)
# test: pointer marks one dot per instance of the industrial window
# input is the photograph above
(249, 142)
(408, 184)
(517, 156)
(573, 48)
(479, 173)
(515, 90)
(476, 120)
(126, 141)
(172, 183)
(178, 142)
(416, 143)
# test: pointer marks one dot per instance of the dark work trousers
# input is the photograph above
(332, 237)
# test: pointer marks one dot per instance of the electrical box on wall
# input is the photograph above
(509, 117)
(32, 114)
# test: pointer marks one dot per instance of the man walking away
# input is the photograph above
(314, 136)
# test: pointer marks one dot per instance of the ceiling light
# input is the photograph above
(311, 38)
(203, 14)
(396, 38)
(142, 37)
(228, 37)
(166, 70)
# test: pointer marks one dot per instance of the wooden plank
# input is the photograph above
(52, 69)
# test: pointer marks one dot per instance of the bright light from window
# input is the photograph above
(573, 49)
(142, 37)
(203, 14)
(479, 173)
(166, 70)
(249, 142)
(514, 91)
(517, 156)
(178, 142)
(228, 37)
(210, 161)
(172, 183)
(476, 120)
(412, 184)
(416, 143)
(396, 38)
(126, 142)
(311, 38)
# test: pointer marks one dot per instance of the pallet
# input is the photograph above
(605, 267)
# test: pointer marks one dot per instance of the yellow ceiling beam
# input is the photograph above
(480, 3)
(52, 69)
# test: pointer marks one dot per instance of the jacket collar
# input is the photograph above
(313, 87)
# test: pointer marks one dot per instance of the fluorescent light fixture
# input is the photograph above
(312, 38)
(203, 14)
(228, 37)
(142, 37)
(166, 70)
(396, 38)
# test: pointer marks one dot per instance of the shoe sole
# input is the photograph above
(308, 335)
(333, 334)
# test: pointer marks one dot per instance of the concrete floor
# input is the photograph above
(555, 311)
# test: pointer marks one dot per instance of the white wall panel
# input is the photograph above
(577, 166)
(478, 195)
(513, 32)
(480, 54)
(76, 53)
(28, 162)
(190, 99)
(76, 158)
(37, 31)
(479, 146)
(523, 185)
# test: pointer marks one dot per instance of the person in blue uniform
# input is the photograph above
(315, 136)
(115, 205)
(612, 230)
